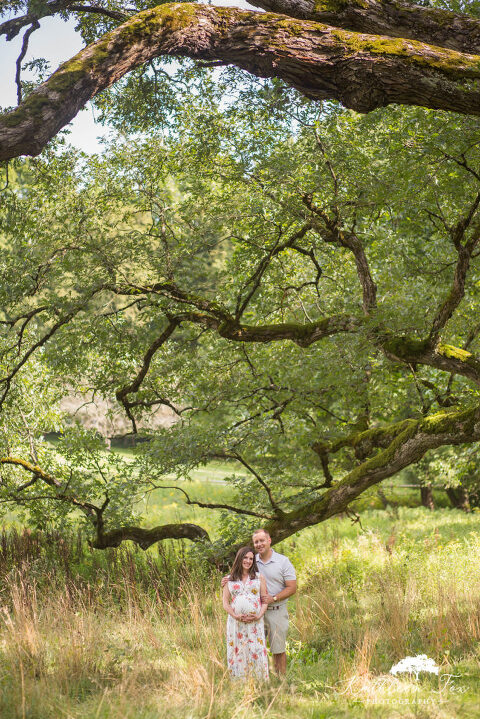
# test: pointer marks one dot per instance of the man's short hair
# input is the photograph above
(257, 531)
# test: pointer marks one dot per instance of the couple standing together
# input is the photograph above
(255, 596)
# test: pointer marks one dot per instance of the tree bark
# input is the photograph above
(146, 537)
(362, 71)
(427, 24)
(459, 498)
(426, 494)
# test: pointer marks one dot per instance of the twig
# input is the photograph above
(34, 26)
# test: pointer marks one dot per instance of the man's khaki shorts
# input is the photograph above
(276, 625)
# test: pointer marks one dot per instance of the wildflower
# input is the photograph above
(415, 665)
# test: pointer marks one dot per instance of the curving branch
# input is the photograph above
(465, 249)
(331, 231)
(235, 455)
(362, 71)
(132, 387)
(34, 26)
(399, 445)
(215, 505)
(146, 537)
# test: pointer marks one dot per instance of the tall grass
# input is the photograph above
(126, 634)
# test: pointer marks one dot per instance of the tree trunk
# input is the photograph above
(459, 498)
(426, 494)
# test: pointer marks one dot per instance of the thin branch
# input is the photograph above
(7, 379)
(464, 250)
(278, 510)
(256, 278)
(134, 386)
(7, 166)
(34, 26)
(98, 10)
(207, 505)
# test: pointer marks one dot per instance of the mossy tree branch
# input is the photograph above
(407, 350)
(404, 444)
(426, 24)
(399, 445)
(412, 351)
(362, 71)
(216, 316)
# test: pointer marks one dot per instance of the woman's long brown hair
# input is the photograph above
(236, 572)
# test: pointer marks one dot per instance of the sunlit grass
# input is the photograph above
(127, 634)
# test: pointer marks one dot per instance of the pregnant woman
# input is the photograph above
(246, 650)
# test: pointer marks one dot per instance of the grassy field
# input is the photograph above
(133, 635)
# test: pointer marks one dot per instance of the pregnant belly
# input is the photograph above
(244, 605)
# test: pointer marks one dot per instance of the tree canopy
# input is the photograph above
(296, 282)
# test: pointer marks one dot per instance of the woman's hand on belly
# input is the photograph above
(247, 618)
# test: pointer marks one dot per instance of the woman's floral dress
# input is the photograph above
(246, 650)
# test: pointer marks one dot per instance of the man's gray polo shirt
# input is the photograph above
(277, 570)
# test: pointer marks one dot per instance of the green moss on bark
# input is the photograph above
(405, 347)
(448, 61)
(454, 352)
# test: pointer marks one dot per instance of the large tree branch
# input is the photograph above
(146, 537)
(408, 350)
(409, 441)
(362, 71)
(427, 24)
(303, 335)
(215, 316)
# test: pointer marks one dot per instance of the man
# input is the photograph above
(281, 583)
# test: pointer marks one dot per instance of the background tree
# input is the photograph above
(295, 281)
